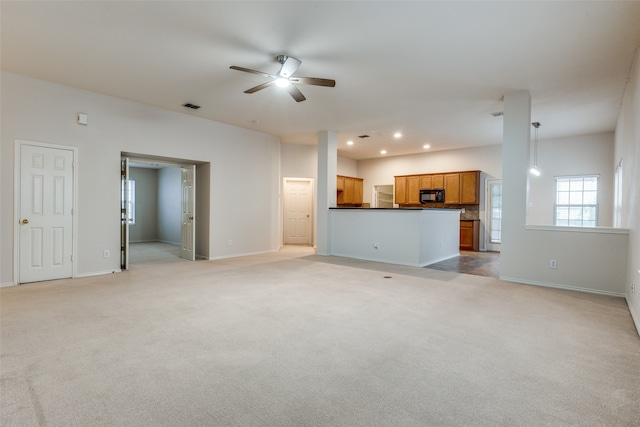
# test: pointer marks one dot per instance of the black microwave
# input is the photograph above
(432, 196)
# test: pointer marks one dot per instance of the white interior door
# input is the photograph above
(188, 230)
(46, 213)
(493, 236)
(297, 211)
(125, 207)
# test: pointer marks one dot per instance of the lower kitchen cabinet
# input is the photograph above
(470, 234)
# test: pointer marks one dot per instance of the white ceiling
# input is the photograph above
(433, 70)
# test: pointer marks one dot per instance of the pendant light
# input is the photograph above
(534, 170)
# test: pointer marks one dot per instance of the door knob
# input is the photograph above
(25, 221)
(191, 218)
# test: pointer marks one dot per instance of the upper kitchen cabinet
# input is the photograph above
(413, 189)
(400, 190)
(462, 188)
(349, 191)
(452, 188)
(469, 188)
(437, 181)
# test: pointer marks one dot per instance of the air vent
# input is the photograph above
(192, 106)
(363, 136)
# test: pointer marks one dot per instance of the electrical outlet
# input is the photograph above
(552, 263)
(229, 242)
(106, 253)
(633, 288)
(376, 245)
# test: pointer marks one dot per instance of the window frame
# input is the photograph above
(581, 206)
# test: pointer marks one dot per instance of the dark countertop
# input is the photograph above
(394, 209)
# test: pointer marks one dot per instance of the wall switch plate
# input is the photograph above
(376, 245)
(106, 253)
(229, 242)
(552, 263)
(83, 119)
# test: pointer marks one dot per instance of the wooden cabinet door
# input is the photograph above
(357, 191)
(469, 188)
(469, 235)
(437, 181)
(349, 190)
(413, 189)
(452, 188)
(400, 190)
(340, 190)
(425, 182)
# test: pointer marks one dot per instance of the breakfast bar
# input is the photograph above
(406, 236)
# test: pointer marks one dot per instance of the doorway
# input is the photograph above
(158, 199)
(44, 202)
(298, 211)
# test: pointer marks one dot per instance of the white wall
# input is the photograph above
(169, 205)
(301, 161)
(575, 155)
(244, 170)
(587, 259)
(145, 228)
(627, 149)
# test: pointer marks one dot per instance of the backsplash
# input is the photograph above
(470, 211)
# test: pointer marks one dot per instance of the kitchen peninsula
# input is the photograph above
(405, 236)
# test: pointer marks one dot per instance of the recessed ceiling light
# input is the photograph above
(397, 135)
(383, 151)
(426, 146)
(349, 142)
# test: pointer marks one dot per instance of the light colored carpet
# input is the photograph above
(295, 339)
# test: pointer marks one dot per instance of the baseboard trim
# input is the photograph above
(97, 273)
(565, 287)
(7, 284)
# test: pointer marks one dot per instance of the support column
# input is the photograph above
(326, 194)
(515, 161)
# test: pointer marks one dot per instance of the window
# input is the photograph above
(576, 201)
(617, 197)
(495, 191)
(128, 197)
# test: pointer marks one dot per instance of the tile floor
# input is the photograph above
(478, 263)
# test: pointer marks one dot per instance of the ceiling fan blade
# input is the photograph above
(259, 87)
(248, 70)
(313, 81)
(289, 66)
(295, 93)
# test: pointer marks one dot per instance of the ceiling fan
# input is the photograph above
(283, 78)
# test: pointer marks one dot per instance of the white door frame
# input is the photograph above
(311, 208)
(17, 203)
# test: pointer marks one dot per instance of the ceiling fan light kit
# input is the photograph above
(284, 78)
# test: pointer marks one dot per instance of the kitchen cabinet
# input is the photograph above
(460, 188)
(469, 188)
(437, 181)
(400, 190)
(349, 190)
(413, 189)
(425, 182)
(452, 188)
(470, 234)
